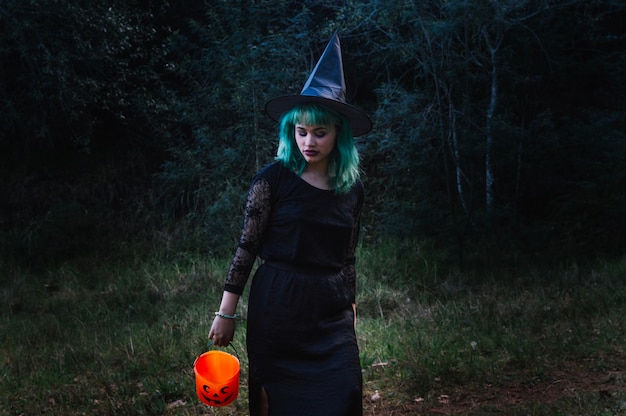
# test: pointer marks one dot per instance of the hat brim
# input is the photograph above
(359, 121)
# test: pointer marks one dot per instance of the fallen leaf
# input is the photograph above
(376, 396)
(381, 364)
(177, 403)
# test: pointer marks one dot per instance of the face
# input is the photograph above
(216, 397)
(316, 142)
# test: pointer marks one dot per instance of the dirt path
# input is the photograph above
(572, 379)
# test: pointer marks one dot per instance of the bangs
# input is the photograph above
(314, 115)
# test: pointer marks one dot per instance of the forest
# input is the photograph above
(499, 133)
(491, 267)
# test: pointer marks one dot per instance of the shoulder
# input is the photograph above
(358, 193)
(271, 177)
(271, 170)
(276, 174)
(358, 189)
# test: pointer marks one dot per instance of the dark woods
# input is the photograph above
(499, 126)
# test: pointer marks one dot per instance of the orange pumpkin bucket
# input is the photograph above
(217, 378)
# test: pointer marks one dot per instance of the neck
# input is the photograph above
(316, 176)
(319, 169)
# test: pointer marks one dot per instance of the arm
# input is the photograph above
(350, 269)
(256, 217)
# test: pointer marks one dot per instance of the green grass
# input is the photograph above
(120, 337)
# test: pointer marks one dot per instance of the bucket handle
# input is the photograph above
(210, 344)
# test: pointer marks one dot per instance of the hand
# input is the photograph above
(222, 331)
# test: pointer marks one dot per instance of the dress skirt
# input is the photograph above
(301, 343)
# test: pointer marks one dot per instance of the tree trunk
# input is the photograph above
(454, 147)
(491, 109)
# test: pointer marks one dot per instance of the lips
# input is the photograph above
(310, 153)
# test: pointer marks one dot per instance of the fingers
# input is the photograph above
(222, 332)
(221, 341)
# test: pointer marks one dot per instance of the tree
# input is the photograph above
(81, 108)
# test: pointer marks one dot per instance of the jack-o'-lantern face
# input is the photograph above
(216, 397)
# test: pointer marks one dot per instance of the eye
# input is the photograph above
(320, 133)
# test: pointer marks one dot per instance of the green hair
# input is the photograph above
(343, 166)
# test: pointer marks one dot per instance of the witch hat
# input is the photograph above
(326, 85)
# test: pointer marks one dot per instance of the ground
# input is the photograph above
(570, 380)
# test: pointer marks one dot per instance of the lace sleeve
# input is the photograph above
(257, 212)
(348, 270)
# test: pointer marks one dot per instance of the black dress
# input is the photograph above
(301, 343)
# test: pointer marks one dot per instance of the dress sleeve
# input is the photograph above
(256, 216)
(349, 270)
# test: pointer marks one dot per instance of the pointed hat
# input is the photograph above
(326, 85)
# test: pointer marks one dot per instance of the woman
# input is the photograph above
(302, 219)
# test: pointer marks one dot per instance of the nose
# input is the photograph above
(309, 140)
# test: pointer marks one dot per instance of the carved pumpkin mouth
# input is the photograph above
(217, 398)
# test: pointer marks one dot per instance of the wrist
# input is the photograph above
(227, 316)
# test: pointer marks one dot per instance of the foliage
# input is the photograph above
(495, 121)
(80, 119)
(82, 68)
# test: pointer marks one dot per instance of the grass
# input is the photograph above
(120, 337)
